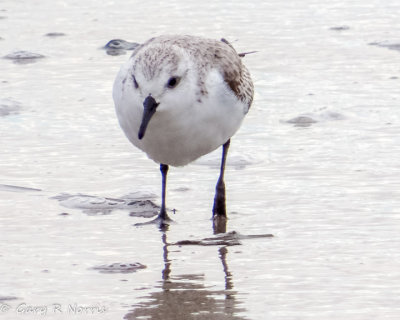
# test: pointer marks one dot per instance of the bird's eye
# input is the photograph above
(173, 82)
(135, 82)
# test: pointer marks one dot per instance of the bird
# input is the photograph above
(179, 97)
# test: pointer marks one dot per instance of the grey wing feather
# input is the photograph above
(236, 74)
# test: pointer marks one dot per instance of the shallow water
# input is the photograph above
(316, 164)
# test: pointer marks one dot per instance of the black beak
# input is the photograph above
(150, 105)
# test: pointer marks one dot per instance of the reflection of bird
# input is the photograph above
(187, 296)
(181, 97)
(117, 47)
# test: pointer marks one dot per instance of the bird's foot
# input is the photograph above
(219, 214)
(219, 208)
(219, 224)
(162, 221)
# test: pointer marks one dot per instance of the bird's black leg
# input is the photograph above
(163, 213)
(219, 208)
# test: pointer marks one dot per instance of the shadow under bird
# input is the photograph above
(178, 98)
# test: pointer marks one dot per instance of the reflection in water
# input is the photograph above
(228, 276)
(185, 297)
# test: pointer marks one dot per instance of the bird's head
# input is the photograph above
(162, 80)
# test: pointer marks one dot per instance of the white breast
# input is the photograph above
(178, 138)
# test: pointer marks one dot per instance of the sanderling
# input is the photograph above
(180, 97)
